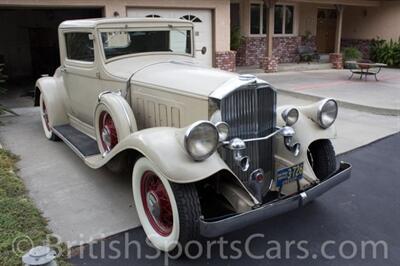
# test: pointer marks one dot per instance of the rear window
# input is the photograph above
(79, 46)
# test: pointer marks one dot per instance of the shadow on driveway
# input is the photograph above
(365, 208)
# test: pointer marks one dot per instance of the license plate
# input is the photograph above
(289, 174)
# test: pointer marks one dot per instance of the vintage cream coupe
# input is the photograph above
(209, 150)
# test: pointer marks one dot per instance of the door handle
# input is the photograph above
(202, 50)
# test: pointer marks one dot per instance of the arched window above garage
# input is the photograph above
(191, 18)
(153, 16)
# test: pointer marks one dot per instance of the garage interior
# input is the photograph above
(29, 46)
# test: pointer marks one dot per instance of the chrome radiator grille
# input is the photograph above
(250, 113)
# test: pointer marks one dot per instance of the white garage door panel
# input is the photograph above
(202, 30)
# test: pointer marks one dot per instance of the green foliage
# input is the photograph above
(235, 38)
(19, 218)
(307, 35)
(351, 53)
(387, 52)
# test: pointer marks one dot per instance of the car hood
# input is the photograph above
(177, 74)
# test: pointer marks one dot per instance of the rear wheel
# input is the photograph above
(44, 115)
(168, 212)
(322, 158)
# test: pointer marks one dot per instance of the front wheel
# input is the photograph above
(322, 158)
(169, 212)
(44, 115)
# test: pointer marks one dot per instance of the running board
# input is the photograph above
(80, 143)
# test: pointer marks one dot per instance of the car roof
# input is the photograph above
(95, 22)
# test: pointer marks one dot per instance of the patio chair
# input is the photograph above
(307, 54)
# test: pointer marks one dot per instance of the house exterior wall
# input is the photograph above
(220, 8)
(365, 23)
(360, 25)
(284, 49)
(252, 49)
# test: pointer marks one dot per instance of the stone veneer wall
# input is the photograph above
(360, 44)
(252, 49)
(226, 60)
(336, 60)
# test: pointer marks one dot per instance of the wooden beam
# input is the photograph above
(339, 22)
(341, 2)
(269, 4)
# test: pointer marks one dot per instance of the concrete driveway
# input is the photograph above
(81, 204)
(380, 97)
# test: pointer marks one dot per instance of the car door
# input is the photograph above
(81, 76)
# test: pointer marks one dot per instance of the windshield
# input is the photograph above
(119, 43)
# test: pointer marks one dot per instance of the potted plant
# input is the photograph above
(351, 54)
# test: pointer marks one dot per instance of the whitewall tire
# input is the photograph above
(168, 212)
(44, 115)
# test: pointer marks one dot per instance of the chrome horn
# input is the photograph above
(237, 146)
(288, 133)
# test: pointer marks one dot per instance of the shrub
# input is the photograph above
(387, 52)
(235, 38)
(351, 53)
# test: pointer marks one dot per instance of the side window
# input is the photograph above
(79, 46)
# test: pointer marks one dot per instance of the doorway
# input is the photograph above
(326, 30)
(29, 48)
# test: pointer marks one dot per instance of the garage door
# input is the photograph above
(202, 27)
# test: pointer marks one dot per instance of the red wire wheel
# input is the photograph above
(156, 203)
(108, 131)
(45, 116)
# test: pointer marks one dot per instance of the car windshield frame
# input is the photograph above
(138, 29)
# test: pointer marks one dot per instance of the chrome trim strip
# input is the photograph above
(277, 131)
(215, 228)
(101, 95)
(233, 84)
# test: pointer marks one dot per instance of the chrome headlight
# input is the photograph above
(327, 113)
(290, 116)
(223, 130)
(201, 140)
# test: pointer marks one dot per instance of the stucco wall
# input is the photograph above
(372, 22)
(221, 10)
(308, 17)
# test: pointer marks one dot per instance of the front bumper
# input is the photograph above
(218, 227)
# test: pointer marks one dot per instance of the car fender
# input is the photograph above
(55, 98)
(306, 132)
(164, 147)
(120, 111)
